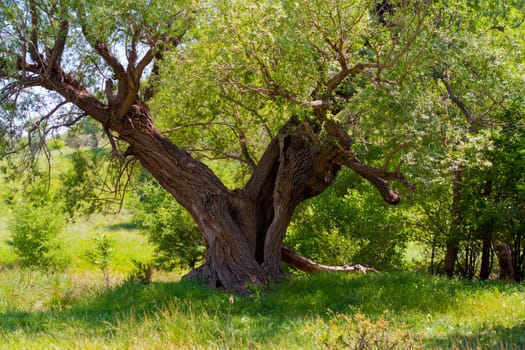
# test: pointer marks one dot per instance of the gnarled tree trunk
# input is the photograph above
(243, 228)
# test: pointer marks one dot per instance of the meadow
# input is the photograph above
(76, 310)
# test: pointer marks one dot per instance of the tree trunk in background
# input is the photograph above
(506, 264)
(484, 272)
(451, 257)
(451, 254)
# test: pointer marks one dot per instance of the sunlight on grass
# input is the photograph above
(300, 313)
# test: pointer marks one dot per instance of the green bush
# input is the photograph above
(34, 237)
(360, 333)
(170, 228)
(101, 255)
(350, 224)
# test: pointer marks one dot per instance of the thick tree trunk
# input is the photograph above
(244, 228)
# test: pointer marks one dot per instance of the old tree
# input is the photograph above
(176, 82)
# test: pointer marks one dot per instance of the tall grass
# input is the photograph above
(300, 313)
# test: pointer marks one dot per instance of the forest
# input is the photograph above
(198, 164)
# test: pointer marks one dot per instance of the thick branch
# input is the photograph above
(335, 80)
(110, 59)
(58, 48)
(304, 264)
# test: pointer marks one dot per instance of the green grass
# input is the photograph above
(295, 314)
(129, 243)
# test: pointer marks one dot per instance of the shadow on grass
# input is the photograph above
(269, 310)
(129, 226)
(495, 338)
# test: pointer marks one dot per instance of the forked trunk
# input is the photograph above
(243, 228)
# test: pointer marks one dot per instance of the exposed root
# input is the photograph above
(304, 264)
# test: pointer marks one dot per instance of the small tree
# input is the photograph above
(34, 232)
(101, 255)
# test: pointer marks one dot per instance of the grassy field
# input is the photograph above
(76, 311)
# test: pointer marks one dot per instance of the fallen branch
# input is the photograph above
(304, 264)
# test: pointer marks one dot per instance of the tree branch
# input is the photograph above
(458, 102)
(304, 264)
(110, 59)
(33, 45)
(55, 59)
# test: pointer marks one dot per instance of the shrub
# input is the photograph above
(360, 333)
(169, 227)
(101, 254)
(349, 223)
(34, 232)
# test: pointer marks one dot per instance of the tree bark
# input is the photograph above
(506, 263)
(451, 254)
(243, 228)
(484, 272)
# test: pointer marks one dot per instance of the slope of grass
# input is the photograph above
(299, 313)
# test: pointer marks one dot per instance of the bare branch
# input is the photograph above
(278, 92)
(391, 154)
(47, 116)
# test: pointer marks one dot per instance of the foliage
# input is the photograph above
(348, 226)
(493, 196)
(82, 184)
(34, 238)
(360, 333)
(95, 182)
(86, 133)
(169, 228)
(101, 255)
(142, 272)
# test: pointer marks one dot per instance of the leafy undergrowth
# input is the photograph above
(388, 310)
